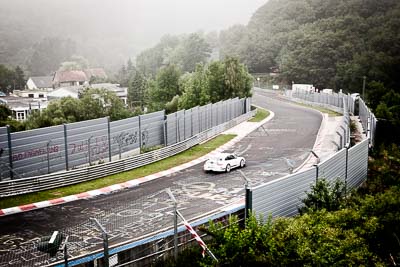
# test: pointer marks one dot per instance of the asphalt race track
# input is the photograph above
(270, 151)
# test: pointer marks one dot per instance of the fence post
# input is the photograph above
(10, 151)
(316, 173)
(165, 131)
(191, 122)
(66, 147)
(109, 138)
(248, 197)
(346, 172)
(341, 140)
(168, 190)
(105, 241)
(48, 156)
(184, 124)
(89, 150)
(140, 135)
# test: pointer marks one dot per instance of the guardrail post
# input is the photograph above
(10, 151)
(109, 138)
(66, 147)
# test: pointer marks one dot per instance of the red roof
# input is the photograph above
(70, 76)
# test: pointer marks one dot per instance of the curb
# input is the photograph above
(250, 127)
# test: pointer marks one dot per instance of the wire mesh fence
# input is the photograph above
(128, 219)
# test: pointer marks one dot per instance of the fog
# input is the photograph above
(124, 26)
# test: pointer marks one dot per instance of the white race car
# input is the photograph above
(224, 162)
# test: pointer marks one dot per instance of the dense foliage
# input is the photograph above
(331, 44)
(183, 51)
(11, 79)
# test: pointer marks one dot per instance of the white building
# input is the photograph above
(21, 107)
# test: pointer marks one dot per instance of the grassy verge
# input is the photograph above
(186, 156)
(260, 115)
(331, 113)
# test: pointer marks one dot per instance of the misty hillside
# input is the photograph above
(330, 43)
(105, 32)
(23, 26)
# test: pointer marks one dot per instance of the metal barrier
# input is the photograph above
(368, 121)
(54, 180)
(282, 197)
(86, 143)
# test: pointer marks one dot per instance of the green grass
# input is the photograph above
(260, 115)
(186, 156)
(331, 113)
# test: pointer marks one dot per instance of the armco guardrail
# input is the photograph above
(49, 181)
(282, 197)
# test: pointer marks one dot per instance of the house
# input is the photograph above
(77, 77)
(40, 82)
(97, 73)
(21, 107)
(72, 91)
(36, 94)
(121, 92)
(69, 78)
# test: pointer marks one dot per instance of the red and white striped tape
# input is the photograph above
(194, 234)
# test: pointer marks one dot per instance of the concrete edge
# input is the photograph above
(136, 182)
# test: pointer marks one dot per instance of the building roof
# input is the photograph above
(43, 81)
(24, 103)
(95, 72)
(70, 76)
(72, 91)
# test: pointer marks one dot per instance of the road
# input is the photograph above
(131, 213)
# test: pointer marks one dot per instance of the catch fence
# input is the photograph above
(138, 223)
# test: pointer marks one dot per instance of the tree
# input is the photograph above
(48, 55)
(6, 79)
(75, 63)
(238, 82)
(164, 87)
(136, 91)
(195, 88)
(194, 50)
(233, 41)
(19, 78)
(324, 195)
